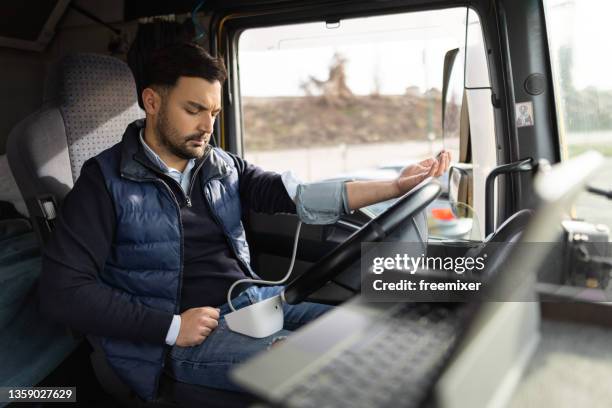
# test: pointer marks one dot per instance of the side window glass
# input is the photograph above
(359, 99)
(578, 34)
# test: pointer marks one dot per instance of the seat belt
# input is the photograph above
(46, 214)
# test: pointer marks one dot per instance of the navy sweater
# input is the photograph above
(77, 251)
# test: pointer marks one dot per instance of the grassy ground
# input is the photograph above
(288, 123)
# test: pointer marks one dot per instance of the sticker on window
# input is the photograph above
(524, 114)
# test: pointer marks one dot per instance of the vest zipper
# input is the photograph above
(194, 174)
(178, 207)
(180, 282)
(180, 217)
(187, 195)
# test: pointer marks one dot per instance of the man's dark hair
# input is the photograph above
(151, 36)
(167, 64)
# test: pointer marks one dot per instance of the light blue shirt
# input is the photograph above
(183, 178)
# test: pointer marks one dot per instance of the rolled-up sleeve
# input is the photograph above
(317, 203)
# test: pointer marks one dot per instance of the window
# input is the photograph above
(360, 99)
(579, 33)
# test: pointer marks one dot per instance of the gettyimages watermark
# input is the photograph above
(400, 271)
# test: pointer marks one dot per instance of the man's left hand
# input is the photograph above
(364, 193)
(415, 173)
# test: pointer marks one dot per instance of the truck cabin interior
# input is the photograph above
(332, 90)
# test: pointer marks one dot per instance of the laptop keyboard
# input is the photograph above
(394, 367)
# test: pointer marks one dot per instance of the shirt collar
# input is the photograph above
(154, 157)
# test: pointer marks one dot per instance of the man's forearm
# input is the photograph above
(324, 202)
(363, 193)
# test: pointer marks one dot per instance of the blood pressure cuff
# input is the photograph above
(317, 203)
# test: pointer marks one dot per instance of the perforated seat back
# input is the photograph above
(90, 101)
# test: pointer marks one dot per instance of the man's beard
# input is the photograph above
(169, 136)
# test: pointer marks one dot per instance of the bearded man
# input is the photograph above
(151, 237)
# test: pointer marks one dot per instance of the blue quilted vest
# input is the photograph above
(145, 263)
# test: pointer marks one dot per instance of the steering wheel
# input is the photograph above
(341, 257)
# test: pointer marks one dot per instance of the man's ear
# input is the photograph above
(151, 100)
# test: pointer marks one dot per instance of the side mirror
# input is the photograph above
(461, 189)
(449, 62)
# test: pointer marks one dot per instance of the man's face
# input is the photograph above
(186, 116)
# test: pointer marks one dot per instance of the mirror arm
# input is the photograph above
(519, 166)
(449, 61)
(600, 192)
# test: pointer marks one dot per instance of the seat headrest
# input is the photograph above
(97, 100)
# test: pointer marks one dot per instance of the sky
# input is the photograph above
(398, 51)
(392, 49)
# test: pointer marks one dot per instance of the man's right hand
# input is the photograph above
(196, 325)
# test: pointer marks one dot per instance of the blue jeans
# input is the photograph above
(209, 363)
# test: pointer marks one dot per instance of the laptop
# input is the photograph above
(373, 354)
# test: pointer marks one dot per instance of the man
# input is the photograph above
(150, 238)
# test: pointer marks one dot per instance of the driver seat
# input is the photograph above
(90, 100)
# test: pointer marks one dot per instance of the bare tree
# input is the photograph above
(334, 90)
(376, 81)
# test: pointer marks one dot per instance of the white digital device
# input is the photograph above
(264, 318)
(259, 320)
